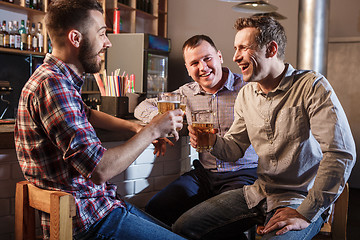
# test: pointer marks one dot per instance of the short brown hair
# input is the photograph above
(64, 15)
(269, 30)
(196, 40)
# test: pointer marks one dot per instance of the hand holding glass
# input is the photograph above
(203, 125)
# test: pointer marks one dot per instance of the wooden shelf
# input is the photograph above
(20, 9)
(17, 51)
(34, 16)
(137, 21)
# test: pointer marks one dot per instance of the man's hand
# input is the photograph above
(286, 219)
(160, 146)
(193, 138)
(167, 123)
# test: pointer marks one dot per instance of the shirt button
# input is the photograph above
(219, 166)
(271, 141)
(268, 98)
(266, 120)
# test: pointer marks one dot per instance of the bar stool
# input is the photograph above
(60, 206)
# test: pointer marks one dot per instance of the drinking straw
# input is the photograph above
(100, 84)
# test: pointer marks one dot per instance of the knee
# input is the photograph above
(183, 227)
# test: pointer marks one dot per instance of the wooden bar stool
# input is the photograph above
(60, 206)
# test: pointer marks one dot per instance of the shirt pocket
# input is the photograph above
(292, 123)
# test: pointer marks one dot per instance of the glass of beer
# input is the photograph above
(203, 124)
(168, 101)
(183, 103)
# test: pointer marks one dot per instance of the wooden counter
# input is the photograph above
(7, 135)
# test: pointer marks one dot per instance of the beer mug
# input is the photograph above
(168, 101)
(203, 124)
(183, 103)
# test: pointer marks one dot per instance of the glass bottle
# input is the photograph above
(12, 35)
(16, 35)
(2, 34)
(40, 37)
(28, 36)
(23, 35)
(34, 38)
(6, 35)
(39, 5)
(27, 3)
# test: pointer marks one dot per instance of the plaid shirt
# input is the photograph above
(57, 147)
(222, 104)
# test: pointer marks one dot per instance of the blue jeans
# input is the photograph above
(227, 214)
(128, 223)
(193, 188)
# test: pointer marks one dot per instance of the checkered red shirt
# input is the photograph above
(56, 146)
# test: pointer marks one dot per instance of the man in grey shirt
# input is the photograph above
(214, 88)
(300, 131)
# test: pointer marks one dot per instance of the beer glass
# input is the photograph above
(168, 101)
(183, 103)
(203, 124)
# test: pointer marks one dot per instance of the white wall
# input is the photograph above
(216, 19)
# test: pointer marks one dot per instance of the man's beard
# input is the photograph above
(87, 58)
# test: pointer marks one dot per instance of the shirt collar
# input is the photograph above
(285, 83)
(64, 69)
(229, 84)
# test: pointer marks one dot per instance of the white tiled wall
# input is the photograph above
(145, 177)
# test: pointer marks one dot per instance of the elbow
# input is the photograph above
(97, 178)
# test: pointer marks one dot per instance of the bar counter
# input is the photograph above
(7, 135)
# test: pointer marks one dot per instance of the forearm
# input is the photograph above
(146, 110)
(333, 173)
(117, 159)
(105, 121)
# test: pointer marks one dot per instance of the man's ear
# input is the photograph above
(75, 38)
(271, 49)
(187, 70)
(220, 56)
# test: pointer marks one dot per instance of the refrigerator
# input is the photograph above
(144, 55)
(16, 70)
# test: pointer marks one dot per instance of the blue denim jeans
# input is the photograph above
(193, 188)
(227, 214)
(128, 223)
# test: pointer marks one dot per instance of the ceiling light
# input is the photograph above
(238, 1)
(254, 7)
(275, 15)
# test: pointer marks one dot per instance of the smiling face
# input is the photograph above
(203, 64)
(94, 43)
(250, 58)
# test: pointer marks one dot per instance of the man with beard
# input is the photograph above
(300, 131)
(56, 144)
(214, 88)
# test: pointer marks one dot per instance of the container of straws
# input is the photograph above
(113, 90)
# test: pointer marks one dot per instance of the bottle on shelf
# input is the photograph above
(149, 7)
(28, 36)
(34, 38)
(39, 5)
(33, 4)
(6, 35)
(23, 36)
(40, 37)
(27, 3)
(2, 35)
(16, 35)
(11, 33)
